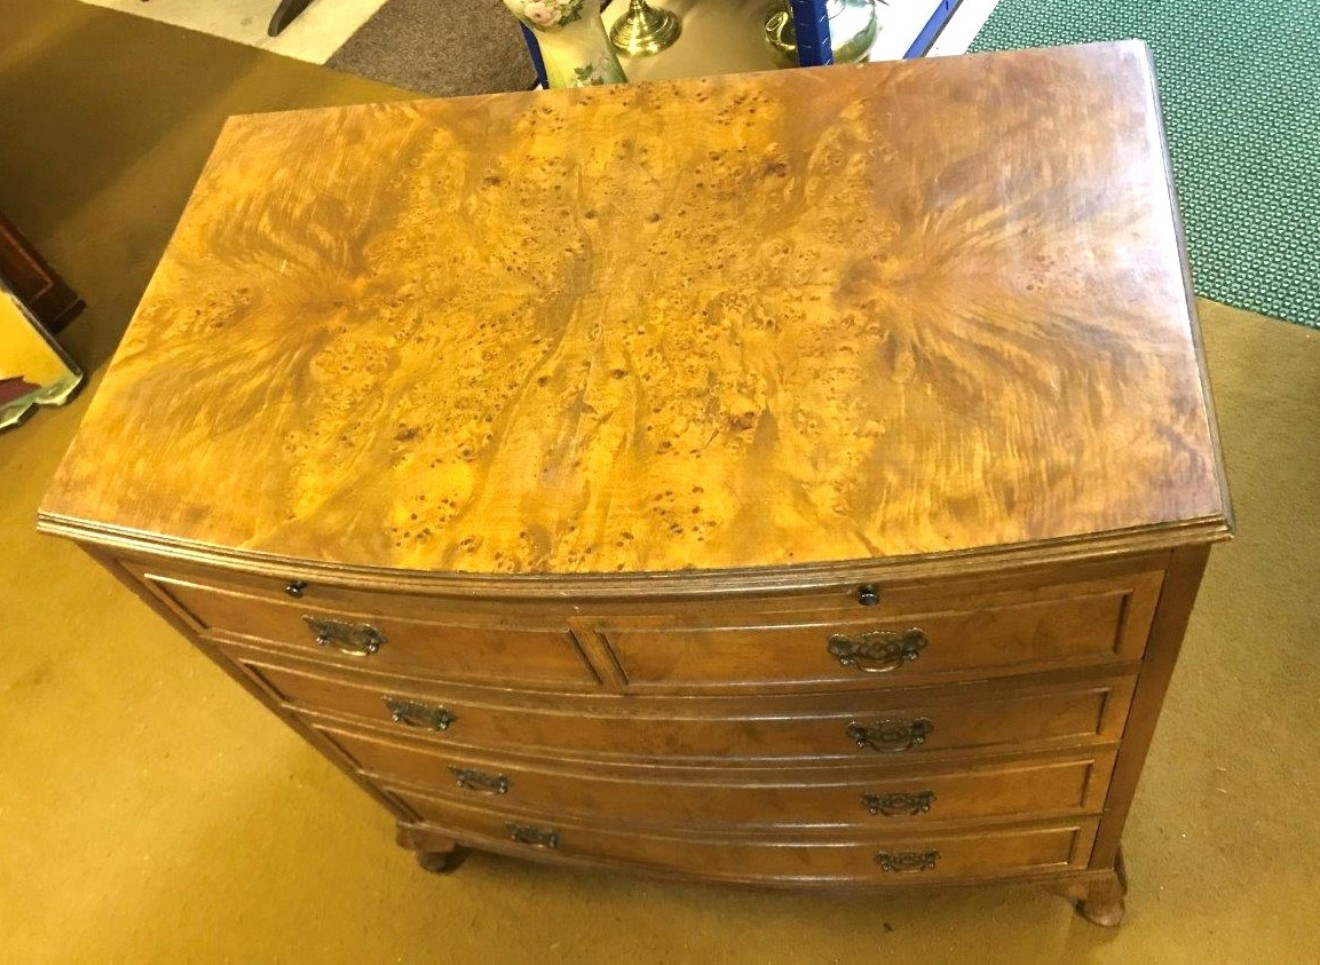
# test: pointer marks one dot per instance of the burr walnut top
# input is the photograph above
(805, 317)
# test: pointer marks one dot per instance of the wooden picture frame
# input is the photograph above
(27, 275)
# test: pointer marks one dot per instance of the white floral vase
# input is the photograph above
(576, 51)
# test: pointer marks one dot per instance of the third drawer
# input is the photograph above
(865, 795)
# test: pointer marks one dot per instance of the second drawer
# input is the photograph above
(850, 795)
(898, 724)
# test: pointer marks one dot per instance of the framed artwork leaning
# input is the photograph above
(34, 369)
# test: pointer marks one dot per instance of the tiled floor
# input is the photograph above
(153, 813)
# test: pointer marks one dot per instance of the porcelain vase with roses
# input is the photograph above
(576, 51)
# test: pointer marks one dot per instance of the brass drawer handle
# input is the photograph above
(414, 713)
(536, 837)
(899, 805)
(480, 781)
(907, 862)
(891, 736)
(354, 639)
(877, 651)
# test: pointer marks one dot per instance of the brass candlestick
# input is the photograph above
(644, 29)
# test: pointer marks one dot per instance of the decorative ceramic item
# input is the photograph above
(576, 51)
(853, 27)
(645, 29)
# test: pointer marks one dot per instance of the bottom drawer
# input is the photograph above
(972, 854)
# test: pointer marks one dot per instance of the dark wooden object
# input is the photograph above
(800, 479)
(25, 273)
(286, 12)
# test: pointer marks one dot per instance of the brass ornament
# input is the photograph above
(354, 639)
(890, 736)
(414, 713)
(645, 29)
(877, 651)
(480, 781)
(899, 804)
(907, 862)
(536, 837)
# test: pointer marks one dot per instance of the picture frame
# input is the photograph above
(34, 369)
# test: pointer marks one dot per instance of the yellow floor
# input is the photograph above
(151, 812)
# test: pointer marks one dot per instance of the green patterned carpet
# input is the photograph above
(1240, 83)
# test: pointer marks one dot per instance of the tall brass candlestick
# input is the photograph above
(644, 29)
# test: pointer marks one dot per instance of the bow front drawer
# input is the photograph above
(402, 633)
(871, 795)
(897, 858)
(908, 635)
(903, 726)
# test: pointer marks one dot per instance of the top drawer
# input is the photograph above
(1095, 616)
(916, 634)
(391, 632)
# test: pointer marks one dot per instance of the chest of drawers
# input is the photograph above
(799, 479)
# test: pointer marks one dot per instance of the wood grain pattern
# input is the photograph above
(1019, 622)
(1036, 788)
(816, 316)
(1077, 624)
(804, 859)
(507, 652)
(965, 720)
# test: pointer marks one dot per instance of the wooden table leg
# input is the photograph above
(438, 859)
(1103, 904)
(1099, 897)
